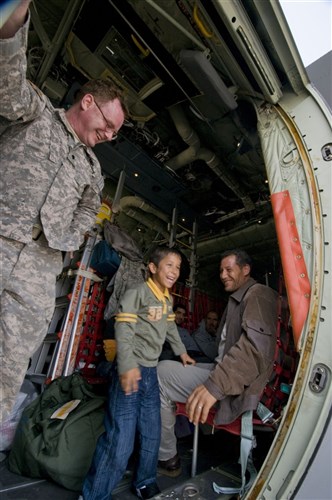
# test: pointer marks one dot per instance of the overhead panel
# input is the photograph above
(249, 45)
(177, 84)
(208, 80)
(145, 177)
(117, 53)
(271, 14)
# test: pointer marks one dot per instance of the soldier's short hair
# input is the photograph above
(104, 91)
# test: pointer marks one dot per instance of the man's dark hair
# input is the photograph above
(178, 305)
(242, 258)
(160, 252)
(104, 91)
(212, 311)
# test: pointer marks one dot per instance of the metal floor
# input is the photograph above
(217, 455)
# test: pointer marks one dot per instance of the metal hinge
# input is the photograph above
(318, 378)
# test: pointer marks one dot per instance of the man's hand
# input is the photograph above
(199, 404)
(187, 360)
(129, 380)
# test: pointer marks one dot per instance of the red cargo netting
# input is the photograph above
(90, 349)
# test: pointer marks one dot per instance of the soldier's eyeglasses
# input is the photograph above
(109, 127)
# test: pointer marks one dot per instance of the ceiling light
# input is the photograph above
(111, 51)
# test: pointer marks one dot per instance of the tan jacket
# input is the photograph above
(251, 328)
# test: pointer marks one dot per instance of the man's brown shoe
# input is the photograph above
(170, 467)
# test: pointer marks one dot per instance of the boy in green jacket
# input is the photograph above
(144, 321)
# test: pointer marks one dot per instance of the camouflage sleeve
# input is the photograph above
(87, 209)
(84, 218)
(20, 99)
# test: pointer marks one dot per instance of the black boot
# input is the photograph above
(170, 467)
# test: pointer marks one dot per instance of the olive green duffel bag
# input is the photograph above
(57, 433)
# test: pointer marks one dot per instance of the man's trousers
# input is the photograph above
(27, 285)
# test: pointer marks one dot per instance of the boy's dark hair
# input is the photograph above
(104, 91)
(242, 258)
(160, 252)
(178, 305)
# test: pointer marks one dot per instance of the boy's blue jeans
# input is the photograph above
(125, 415)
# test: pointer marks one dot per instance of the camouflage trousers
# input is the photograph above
(27, 286)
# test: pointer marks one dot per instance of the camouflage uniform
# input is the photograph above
(49, 180)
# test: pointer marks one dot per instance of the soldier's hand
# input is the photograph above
(14, 18)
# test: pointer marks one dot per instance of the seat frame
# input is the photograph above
(243, 427)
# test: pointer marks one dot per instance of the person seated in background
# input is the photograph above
(201, 345)
(180, 315)
(205, 338)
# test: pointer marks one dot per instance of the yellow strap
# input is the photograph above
(200, 25)
(145, 52)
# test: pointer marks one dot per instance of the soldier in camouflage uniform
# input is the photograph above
(50, 193)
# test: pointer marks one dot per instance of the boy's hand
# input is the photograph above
(187, 360)
(129, 380)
